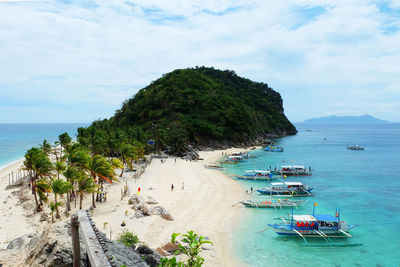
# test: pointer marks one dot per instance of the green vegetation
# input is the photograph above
(193, 106)
(128, 238)
(73, 168)
(190, 245)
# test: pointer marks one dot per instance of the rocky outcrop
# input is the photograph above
(147, 208)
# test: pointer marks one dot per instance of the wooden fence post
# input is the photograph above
(76, 249)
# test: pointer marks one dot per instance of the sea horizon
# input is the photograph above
(17, 139)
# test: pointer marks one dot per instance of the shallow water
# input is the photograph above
(16, 139)
(364, 184)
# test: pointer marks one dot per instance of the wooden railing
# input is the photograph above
(83, 226)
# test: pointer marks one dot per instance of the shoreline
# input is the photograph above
(204, 205)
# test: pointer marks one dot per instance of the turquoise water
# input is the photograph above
(15, 139)
(364, 184)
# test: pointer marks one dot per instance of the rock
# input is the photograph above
(143, 208)
(156, 210)
(162, 252)
(44, 217)
(153, 260)
(16, 243)
(170, 248)
(135, 200)
(165, 214)
(151, 200)
(139, 214)
(144, 250)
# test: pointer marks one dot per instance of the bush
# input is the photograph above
(128, 238)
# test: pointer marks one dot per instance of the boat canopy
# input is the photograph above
(294, 167)
(325, 218)
(304, 218)
(235, 157)
(256, 171)
(287, 183)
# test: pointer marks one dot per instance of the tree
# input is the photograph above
(45, 147)
(98, 167)
(59, 187)
(127, 154)
(60, 167)
(65, 141)
(85, 185)
(38, 166)
(54, 207)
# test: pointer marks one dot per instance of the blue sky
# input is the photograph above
(77, 61)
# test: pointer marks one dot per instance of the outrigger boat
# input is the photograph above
(214, 166)
(273, 203)
(322, 226)
(355, 147)
(245, 155)
(233, 160)
(258, 175)
(293, 170)
(296, 189)
(273, 149)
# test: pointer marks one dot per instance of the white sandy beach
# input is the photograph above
(204, 205)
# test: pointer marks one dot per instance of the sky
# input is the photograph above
(77, 61)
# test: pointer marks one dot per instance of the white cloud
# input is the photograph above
(312, 52)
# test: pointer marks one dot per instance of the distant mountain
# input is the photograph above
(364, 119)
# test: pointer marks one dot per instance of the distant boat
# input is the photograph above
(245, 155)
(273, 149)
(296, 189)
(355, 147)
(214, 166)
(233, 160)
(273, 203)
(293, 170)
(258, 175)
(321, 226)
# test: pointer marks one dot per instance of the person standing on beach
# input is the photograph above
(183, 185)
(172, 187)
(251, 189)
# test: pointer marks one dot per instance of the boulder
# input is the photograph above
(44, 217)
(151, 200)
(170, 248)
(135, 199)
(17, 243)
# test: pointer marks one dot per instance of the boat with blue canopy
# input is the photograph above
(273, 149)
(296, 189)
(316, 225)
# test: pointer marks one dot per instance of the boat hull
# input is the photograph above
(254, 178)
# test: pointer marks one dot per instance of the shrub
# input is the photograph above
(128, 238)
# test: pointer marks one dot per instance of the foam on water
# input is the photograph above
(364, 184)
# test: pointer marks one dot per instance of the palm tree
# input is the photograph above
(65, 141)
(85, 184)
(59, 187)
(127, 154)
(46, 147)
(60, 167)
(38, 166)
(99, 167)
(43, 188)
(54, 207)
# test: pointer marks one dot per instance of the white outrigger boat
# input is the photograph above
(273, 203)
(295, 189)
(214, 166)
(233, 160)
(321, 226)
(245, 155)
(256, 175)
(293, 170)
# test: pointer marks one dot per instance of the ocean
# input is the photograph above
(365, 185)
(16, 139)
